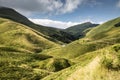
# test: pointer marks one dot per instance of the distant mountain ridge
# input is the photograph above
(54, 33)
(63, 35)
(79, 30)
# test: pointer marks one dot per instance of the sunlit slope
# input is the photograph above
(103, 64)
(110, 29)
(79, 47)
(19, 53)
(16, 35)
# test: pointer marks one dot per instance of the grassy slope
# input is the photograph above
(97, 53)
(106, 30)
(80, 47)
(103, 64)
(26, 66)
(18, 59)
(16, 35)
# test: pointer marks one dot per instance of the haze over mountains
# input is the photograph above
(29, 51)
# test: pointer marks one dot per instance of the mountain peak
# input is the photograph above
(87, 23)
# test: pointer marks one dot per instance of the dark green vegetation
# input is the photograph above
(29, 54)
(80, 30)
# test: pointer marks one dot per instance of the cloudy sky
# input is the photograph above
(65, 13)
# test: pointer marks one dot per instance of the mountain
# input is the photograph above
(54, 33)
(96, 56)
(79, 30)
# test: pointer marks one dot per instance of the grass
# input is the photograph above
(80, 47)
(29, 66)
(52, 64)
(96, 57)
(100, 31)
(16, 65)
(20, 36)
(97, 67)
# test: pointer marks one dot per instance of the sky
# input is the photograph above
(65, 13)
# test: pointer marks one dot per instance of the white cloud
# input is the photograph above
(57, 24)
(70, 6)
(42, 6)
(93, 3)
(118, 4)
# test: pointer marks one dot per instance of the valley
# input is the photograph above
(86, 51)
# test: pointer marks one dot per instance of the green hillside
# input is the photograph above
(19, 53)
(109, 29)
(96, 56)
(28, 66)
(15, 35)
(54, 33)
(78, 30)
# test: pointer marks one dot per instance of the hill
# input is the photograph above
(54, 33)
(109, 29)
(79, 30)
(17, 35)
(20, 46)
(96, 56)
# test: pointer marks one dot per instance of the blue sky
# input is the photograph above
(65, 13)
(101, 10)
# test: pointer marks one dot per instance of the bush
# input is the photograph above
(15, 73)
(41, 56)
(111, 62)
(107, 62)
(116, 48)
(117, 25)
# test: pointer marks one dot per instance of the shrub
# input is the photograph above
(116, 48)
(107, 62)
(117, 25)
